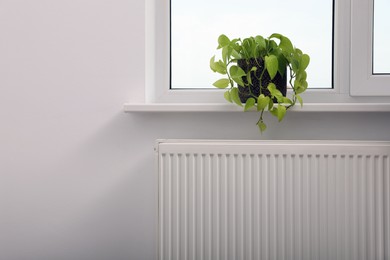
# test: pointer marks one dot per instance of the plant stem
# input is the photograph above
(292, 76)
(261, 117)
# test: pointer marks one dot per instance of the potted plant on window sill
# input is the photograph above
(256, 73)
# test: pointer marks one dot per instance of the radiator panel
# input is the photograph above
(273, 200)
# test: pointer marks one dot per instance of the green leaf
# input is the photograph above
(274, 111)
(270, 104)
(235, 40)
(260, 41)
(225, 54)
(223, 41)
(276, 35)
(286, 45)
(237, 73)
(282, 64)
(235, 54)
(221, 67)
(275, 92)
(287, 101)
(271, 63)
(298, 51)
(262, 126)
(305, 60)
(221, 83)
(218, 66)
(272, 45)
(301, 75)
(249, 103)
(281, 111)
(300, 86)
(262, 102)
(249, 78)
(226, 95)
(235, 97)
(295, 64)
(271, 87)
(212, 64)
(249, 47)
(299, 98)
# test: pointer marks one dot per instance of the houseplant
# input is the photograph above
(255, 70)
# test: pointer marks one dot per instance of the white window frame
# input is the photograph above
(364, 82)
(157, 58)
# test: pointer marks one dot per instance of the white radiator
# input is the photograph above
(241, 200)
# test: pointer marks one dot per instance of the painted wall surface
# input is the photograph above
(77, 176)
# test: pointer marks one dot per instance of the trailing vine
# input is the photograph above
(278, 54)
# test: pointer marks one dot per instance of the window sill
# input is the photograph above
(226, 107)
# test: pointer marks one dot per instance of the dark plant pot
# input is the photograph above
(279, 80)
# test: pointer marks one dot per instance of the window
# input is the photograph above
(353, 78)
(369, 77)
(196, 25)
(381, 40)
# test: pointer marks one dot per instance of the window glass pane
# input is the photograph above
(381, 50)
(196, 25)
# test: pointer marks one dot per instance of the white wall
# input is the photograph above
(76, 173)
